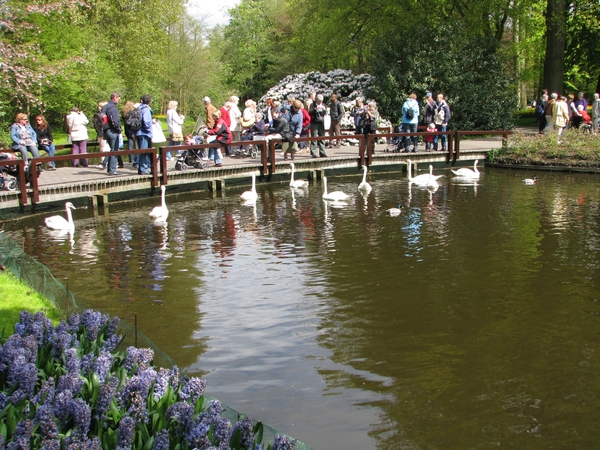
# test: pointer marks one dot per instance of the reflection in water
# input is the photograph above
(469, 321)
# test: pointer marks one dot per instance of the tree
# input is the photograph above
(554, 63)
(468, 70)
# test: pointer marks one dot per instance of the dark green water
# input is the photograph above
(471, 321)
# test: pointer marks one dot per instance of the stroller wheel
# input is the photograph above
(180, 166)
(253, 153)
(11, 185)
(198, 165)
(204, 165)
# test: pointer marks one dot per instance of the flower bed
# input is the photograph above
(68, 388)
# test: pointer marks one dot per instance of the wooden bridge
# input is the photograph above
(93, 187)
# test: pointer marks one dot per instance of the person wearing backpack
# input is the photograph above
(112, 130)
(441, 119)
(144, 135)
(126, 114)
(410, 121)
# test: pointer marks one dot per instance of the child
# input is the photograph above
(429, 138)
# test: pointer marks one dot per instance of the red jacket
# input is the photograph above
(305, 119)
(225, 116)
(221, 130)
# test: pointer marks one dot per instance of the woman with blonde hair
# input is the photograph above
(174, 122)
(129, 134)
(23, 137)
(236, 116)
(248, 117)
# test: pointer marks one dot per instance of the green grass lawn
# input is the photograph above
(16, 297)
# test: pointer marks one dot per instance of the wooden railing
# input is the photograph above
(267, 154)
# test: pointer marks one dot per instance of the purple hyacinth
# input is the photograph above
(125, 433)
(72, 361)
(137, 408)
(196, 437)
(46, 393)
(24, 375)
(62, 400)
(283, 443)
(86, 363)
(74, 321)
(193, 389)
(107, 392)
(47, 428)
(71, 383)
(161, 442)
(83, 444)
(140, 356)
(112, 328)
(21, 436)
(161, 383)
(81, 417)
(92, 321)
(102, 365)
(183, 413)
(3, 401)
(221, 429)
(112, 343)
(62, 340)
(245, 428)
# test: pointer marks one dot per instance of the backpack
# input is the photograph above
(410, 113)
(539, 110)
(133, 120)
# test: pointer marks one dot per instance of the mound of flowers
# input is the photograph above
(341, 82)
(68, 388)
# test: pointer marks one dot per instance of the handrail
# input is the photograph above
(267, 154)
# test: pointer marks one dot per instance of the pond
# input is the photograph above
(469, 321)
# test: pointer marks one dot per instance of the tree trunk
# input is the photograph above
(554, 64)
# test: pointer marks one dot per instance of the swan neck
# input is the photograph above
(69, 217)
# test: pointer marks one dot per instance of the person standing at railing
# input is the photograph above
(76, 122)
(44, 138)
(441, 119)
(23, 137)
(112, 130)
(317, 113)
(144, 135)
(410, 121)
(174, 122)
(369, 123)
(595, 112)
(356, 113)
(336, 111)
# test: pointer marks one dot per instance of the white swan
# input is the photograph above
(336, 196)
(251, 194)
(59, 222)
(364, 186)
(422, 180)
(466, 172)
(530, 180)
(432, 176)
(394, 211)
(160, 213)
(297, 183)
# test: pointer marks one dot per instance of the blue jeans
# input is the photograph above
(132, 145)
(32, 148)
(113, 142)
(410, 128)
(51, 149)
(214, 155)
(144, 161)
(436, 137)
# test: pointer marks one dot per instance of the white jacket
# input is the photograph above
(174, 121)
(76, 121)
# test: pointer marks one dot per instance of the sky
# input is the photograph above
(214, 12)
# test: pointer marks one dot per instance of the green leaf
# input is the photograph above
(258, 430)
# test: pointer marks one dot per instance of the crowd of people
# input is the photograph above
(556, 113)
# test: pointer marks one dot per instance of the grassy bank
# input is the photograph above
(16, 297)
(572, 149)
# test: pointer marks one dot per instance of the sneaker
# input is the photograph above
(219, 165)
(100, 166)
(113, 173)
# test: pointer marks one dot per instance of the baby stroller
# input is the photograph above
(11, 183)
(396, 143)
(195, 158)
(250, 149)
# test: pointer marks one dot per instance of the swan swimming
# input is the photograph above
(160, 213)
(432, 176)
(296, 183)
(530, 180)
(394, 211)
(422, 180)
(335, 195)
(466, 172)
(251, 194)
(364, 186)
(59, 222)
